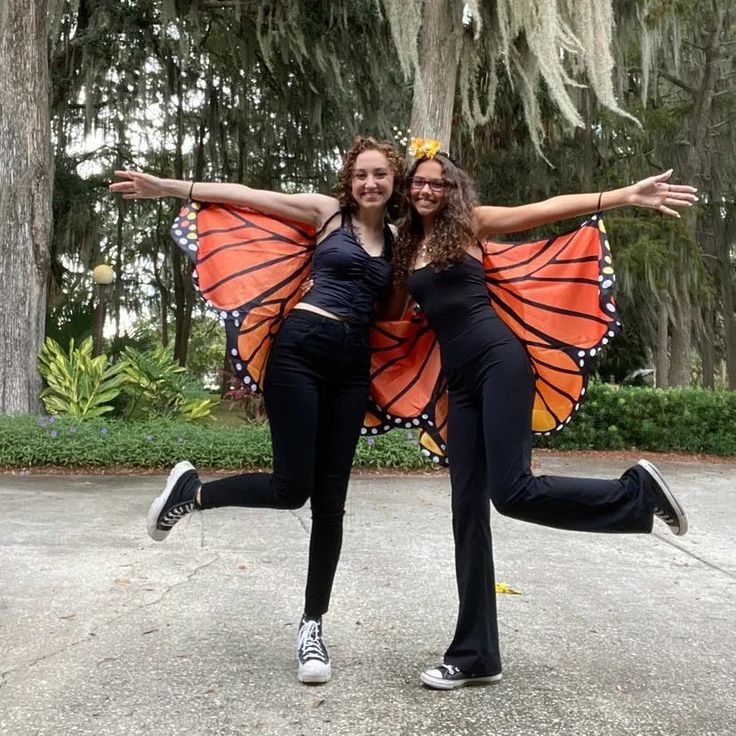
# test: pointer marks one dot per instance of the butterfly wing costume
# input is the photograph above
(555, 294)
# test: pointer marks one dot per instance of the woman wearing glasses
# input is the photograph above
(491, 391)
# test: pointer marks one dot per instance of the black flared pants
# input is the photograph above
(489, 449)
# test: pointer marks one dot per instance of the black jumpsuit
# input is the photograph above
(491, 393)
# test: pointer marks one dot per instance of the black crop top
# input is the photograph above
(347, 281)
(458, 308)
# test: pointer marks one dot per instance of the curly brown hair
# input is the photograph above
(454, 228)
(343, 188)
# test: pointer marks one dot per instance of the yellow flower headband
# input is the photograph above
(424, 147)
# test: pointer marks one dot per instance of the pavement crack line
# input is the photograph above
(697, 557)
(93, 632)
(302, 524)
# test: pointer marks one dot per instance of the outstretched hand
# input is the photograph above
(137, 185)
(656, 193)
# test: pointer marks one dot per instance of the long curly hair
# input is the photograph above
(343, 188)
(454, 227)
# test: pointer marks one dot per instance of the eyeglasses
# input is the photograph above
(438, 186)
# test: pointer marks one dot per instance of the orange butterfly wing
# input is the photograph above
(407, 383)
(556, 296)
(250, 267)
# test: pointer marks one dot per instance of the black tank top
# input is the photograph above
(458, 308)
(347, 280)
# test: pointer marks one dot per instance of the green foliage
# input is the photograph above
(674, 420)
(660, 420)
(28, 441)
(78, 384)
(70, 320)
(150, 383)
(157, 386)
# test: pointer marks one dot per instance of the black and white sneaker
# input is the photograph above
(176, 501)
(449, 677)
(314, 662)
(666, 506)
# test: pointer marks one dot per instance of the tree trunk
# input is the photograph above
(695, 171)
(681, 333)
(707, 349)
(663, 362)
(25, 200)
(180, 264)
(439, 57)
(724, 236)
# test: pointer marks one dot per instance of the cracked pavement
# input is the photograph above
(104, 631)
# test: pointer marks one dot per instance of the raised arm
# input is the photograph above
(310, 208)
(653, 192)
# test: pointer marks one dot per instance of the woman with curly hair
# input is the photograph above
(491, 393)
(316, 384)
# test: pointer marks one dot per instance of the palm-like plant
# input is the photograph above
(78, 384)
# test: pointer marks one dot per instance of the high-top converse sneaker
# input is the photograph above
(666, 506)
(176, 501)
(314, 662)
(449, 677)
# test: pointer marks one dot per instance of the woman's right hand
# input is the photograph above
(137, 185)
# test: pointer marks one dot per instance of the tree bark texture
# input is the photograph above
(436, 82)
(696, 171)
(663, 358)
(25, 200)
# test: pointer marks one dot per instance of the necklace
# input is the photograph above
(422, 257)
(359, 236)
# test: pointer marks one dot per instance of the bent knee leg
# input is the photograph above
(290, 493)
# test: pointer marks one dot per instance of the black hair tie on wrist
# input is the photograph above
(191, 189)
(600, 197)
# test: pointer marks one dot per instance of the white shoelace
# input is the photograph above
(175, 513)
(309, 642)
(666, 518)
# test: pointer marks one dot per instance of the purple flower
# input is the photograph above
(53, 433)
(42, 421)
(52, 419)
(104, 430)
(149, 437)
(370, 440)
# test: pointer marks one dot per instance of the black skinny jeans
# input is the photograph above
(315, 393)
(489, 448)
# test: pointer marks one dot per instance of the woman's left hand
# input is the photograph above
(656, 193)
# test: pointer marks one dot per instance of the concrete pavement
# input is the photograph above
(104, 631)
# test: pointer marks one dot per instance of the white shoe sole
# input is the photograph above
(438, 683)
(314, 673)
(679, 511)
(158, 535)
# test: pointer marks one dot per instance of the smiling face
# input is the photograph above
(428, 189)
(373, 180)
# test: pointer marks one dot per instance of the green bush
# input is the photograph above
(155, 385)
(149, 383)
(675, 420)
(77, 384)
(659, 420)
(27, 441)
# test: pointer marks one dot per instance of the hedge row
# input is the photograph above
(657, 420)
(27, 442)
(676, 420)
